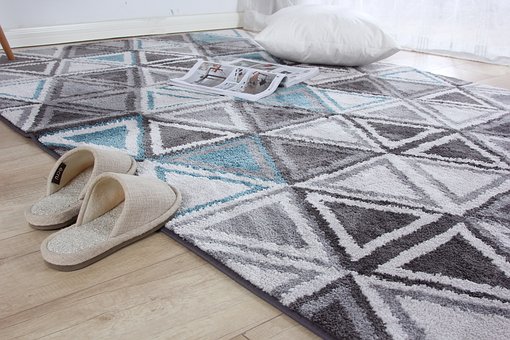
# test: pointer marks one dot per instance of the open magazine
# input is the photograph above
(243, 78)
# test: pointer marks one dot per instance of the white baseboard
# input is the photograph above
(22, 37)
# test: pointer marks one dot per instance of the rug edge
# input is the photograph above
(248, 285)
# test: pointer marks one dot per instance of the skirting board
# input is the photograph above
(34, 36)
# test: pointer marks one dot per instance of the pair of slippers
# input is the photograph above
(93, 192)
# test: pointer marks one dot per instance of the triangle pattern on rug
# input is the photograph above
(221, 115)
(362, 227)
(297, 235)
(499, 144)
(343, 101)
(431, 314)
(452, 179)
(269, 117)
(360, 85)
(125, 134)
(13, 77)
(50, 51)
(268, 278)
(499, 126)
(458, 116)
(394, 135)
(61, 89)
(457, 148)
(202, 189)
(375, 179)
(400, 111)
(119, 101)
(171, 137)
(151, 57)
(456, 97)
(124, 76)
(459, 259)
(412, 75)
(152, 76)
(23, 117)
(242, 156)
(334, 131)
(32, 90)
(455, 257)
(171, 97)
(122, 58)
(77, 66)
(43, 68)
(300, 96)
(412, 89)
(301, 161)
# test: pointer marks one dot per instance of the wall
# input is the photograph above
(36, 22)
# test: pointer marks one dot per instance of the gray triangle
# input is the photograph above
(457, 258)
(172, 136)
(365, 224)
(68, 88)
(271, 117)
(360, 85)
(266, 224)
(300, 161)
(395, 132)
(414, 89)
(115, 102)
(457, 149)
(124, 76)
(456, 97)
(499, 126)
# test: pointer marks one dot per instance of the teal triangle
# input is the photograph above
(292, 99)
(238, 157)
(114, 137)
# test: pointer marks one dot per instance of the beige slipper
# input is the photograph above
(117, 210)
(72, 174)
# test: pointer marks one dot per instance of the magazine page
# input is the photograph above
(230, 80)
(293, 74)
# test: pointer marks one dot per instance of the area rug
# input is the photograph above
(370, 202)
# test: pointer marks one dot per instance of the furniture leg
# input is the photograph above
(5, 45)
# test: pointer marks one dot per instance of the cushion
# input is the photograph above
(330, 35)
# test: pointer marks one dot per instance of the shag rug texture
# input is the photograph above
(369, 202)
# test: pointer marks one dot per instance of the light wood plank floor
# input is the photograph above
(154, 288)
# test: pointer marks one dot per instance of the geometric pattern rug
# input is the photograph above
(369, 202)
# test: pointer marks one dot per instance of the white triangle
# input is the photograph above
(413, 75)
(460, 182)
(378, 179)
(440, 321)
(458, 114)
(415, 87)
(76, 66)
(201, 190)
(157, 99)
(31, 90)
(227, 111)
(348, 100)
(333, 131)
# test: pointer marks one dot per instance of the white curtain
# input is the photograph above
(470, 29)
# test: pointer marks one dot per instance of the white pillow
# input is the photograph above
(330, 35)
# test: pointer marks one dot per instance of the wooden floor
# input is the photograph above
(154, 288)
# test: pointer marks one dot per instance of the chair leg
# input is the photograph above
(5, 45)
